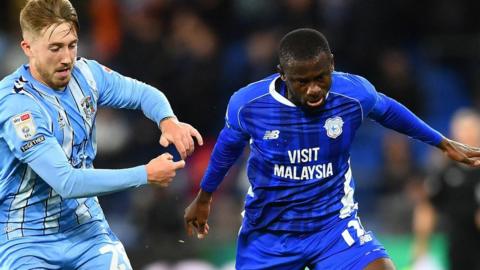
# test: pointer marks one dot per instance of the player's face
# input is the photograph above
(308, 81)
(52, 54)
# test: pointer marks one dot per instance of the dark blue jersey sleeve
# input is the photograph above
(391, 114)
(228, 148)
(385, 110)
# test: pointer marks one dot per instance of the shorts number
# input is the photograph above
(358, 228)
(116, 250)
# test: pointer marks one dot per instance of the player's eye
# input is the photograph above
(321, 77)
(302, 81)
(54, 49)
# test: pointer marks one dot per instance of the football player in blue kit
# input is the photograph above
(300, 210)
(50, 217)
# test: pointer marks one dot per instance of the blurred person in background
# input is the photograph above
(50, 216)
(398, 176)
(452, 199)
(300, 210)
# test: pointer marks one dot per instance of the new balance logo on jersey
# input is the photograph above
(271, 134)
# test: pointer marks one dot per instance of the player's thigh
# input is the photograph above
(347, 246)
(30, 262)
(381, 264)
(25, 255)
(266, 250)
(103, 253)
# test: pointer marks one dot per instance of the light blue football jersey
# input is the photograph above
(47, 147)
(299, 164)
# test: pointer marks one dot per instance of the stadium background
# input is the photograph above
(422, 53)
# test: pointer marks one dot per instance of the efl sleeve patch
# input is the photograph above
(24, 124)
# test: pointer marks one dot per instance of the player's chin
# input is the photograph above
(61, 82)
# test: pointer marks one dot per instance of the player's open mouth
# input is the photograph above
(315, 103)
(63, 72)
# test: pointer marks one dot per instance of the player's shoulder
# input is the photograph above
(347, 82)
(253, 90)
(85, 65)
(11, 84)
(14, 99)
(353, 86)
(85, 61)
(15, 103)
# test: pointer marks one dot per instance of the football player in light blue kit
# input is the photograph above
(49, 215)
(300, 210)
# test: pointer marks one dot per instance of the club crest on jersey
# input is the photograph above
(24, 126)
(87, 106)
(334, 127)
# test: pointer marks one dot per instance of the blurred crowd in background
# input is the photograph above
(425, 54)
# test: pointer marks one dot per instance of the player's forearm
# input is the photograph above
(96, 182)
(225, 153)
(397, 117)
(69, 182)
(154, 104)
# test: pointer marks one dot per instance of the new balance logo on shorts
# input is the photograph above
(271, 134)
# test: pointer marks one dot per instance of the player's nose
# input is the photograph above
(67, 57)
(314, 89)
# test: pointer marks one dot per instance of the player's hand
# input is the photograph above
(181, 135)
(196, 215)
(460, 152)
(162, 169)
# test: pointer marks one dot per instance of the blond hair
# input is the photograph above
(39, 14)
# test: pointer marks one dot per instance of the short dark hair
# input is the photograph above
(302, 44)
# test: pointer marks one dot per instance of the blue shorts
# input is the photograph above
(89, 246)
(345, 245)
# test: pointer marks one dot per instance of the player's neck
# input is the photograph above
(281, 88)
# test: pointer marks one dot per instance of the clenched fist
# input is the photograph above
(162, 169)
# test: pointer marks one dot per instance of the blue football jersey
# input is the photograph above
(299, 164)
(47, 147)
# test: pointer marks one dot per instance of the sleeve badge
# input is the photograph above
(24, 125)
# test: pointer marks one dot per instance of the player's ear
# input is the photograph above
(332, 63)
(282, 73)
(26, 47)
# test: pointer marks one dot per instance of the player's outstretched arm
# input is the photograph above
(180, 134)
(162, 169)
(69, 182)
(196, 214)
(460, 152)
(118, 91)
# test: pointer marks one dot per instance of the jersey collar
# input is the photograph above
(39, 86)
(282, 99)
